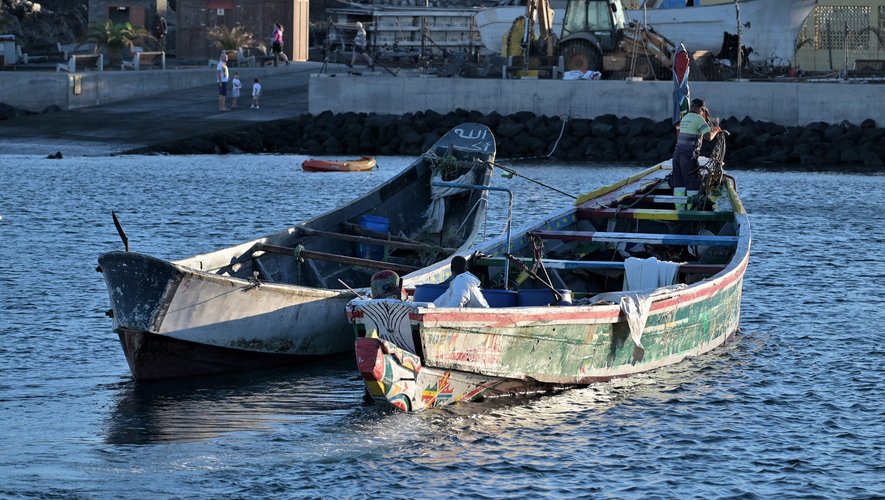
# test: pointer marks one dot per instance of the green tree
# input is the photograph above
(225, 38)
(114, 38)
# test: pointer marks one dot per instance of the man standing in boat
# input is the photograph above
(693, 129)
(463, 288)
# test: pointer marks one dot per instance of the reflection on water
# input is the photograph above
(792, 407)
(207, 407)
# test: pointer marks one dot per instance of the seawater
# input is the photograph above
(792, 408)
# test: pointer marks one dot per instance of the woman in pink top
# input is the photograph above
(277, 44)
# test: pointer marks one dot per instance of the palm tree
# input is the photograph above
(115, 37)
(225, 38)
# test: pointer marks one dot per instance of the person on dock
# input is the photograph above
(360, 47)
(222, 75)
(694, 128)
(256, 95)
(276, 41)
(463, 288)
(236, 85)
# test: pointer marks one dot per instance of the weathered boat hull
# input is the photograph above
(151, 356)
(361, 165)
(174, 322)
(413, 356)
(276, 300)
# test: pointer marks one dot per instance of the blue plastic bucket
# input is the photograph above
(372, 223)
(501, 298)
(428, 292)
(543, 297)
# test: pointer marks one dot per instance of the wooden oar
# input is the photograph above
(120, 231)
(329, 257)
(557, 296)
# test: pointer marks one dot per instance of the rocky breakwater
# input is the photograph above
(607, 138)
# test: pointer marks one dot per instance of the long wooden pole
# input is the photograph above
(329, 257)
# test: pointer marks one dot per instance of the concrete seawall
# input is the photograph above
(38, 90)
(788, 104)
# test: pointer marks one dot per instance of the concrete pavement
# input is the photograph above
(118, 127)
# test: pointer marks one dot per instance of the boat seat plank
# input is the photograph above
(656, 214)
(686, 267)
(646, 238)
(342, 259)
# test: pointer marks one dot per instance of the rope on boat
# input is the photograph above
(513, 172)
(555, 144)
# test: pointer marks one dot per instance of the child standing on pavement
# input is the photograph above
(235, 90)
(256, 94)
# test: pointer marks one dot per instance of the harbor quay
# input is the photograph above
(311, 111)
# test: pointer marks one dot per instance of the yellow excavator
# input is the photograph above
(595, 37)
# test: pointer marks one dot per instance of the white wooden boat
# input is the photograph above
(278, 300)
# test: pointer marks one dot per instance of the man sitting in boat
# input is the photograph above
(693, 129)
(386, 285)
(463, 288)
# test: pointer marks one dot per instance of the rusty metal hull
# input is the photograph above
(413, 356)
(277, 299)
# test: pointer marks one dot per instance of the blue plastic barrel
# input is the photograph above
(372, 223)
(543, 297)
(501, 298)
(428, 292)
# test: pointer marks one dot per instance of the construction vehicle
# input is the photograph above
(595, 36)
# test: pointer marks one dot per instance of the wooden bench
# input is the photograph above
(645, 238)
(655, 214)
(80, 62)
(236, 58)
(141, 60)
(870, 65)
(602, 265)
(46, 53)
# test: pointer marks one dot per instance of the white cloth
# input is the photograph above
(463, 291)
(636, 307)
(256, 89)
(436, 214)
(648, 274)
(577, 74)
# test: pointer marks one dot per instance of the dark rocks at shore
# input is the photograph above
(607, 138)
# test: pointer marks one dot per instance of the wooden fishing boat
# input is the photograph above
(314, 165)
(622, 311)
(278, 300)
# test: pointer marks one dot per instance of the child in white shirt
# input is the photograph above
(235, 90)
(256, 94)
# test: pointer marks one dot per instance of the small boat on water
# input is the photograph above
(625, 281)
(363, 164)
(278, 300)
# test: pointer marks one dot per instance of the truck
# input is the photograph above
(595, 36)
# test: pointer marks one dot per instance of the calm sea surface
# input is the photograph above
(795, 407)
